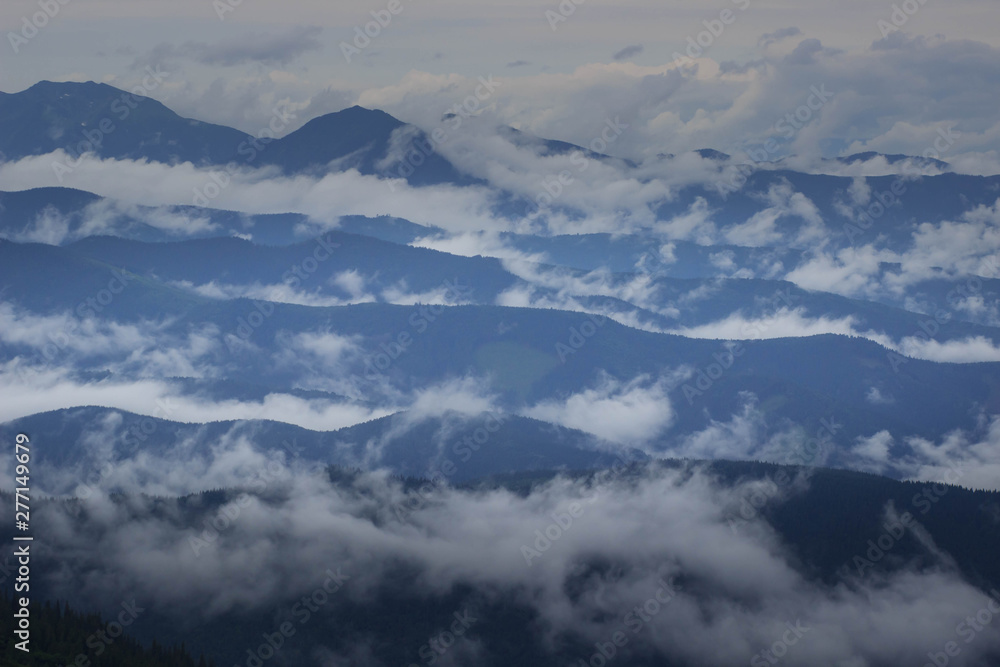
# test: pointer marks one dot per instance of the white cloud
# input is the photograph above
(666, 526)
(967, 459)
(784, 323)
(876, 397)
(873, 452)
(793, 323)
(468, 396)
(27, 391)
(261, 191)
(968, 350)
(630, 413)
(275, 293)
(113, 218)
(693, 225)
(139, 349)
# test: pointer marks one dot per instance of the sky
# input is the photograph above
(892, 76)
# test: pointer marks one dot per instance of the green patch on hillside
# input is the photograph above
(513, 366)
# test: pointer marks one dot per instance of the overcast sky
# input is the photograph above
(560, 74)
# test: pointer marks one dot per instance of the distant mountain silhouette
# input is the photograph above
(112, 123)
(77, 117)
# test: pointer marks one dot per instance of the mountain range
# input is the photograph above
(411, 351)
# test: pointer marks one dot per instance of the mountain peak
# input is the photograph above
(51, 115)
(357, 114)
(49, 87)
(358, 109)
(712, 154)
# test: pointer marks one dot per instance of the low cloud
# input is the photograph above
(733, 592)
(112, 218)
(794, 323)
(27, 391)
(967, 459)
(262, 191)
(628, 413)
(784, 323)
